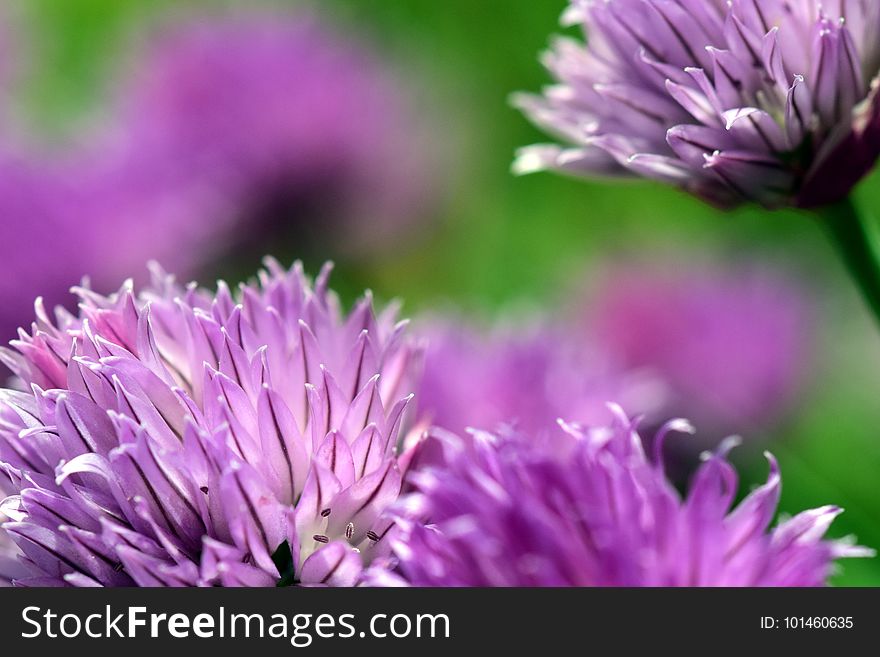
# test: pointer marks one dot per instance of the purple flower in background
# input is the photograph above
(42, 248)
(525, 375)
(57, 229)
(229, 133)
(733, 346)
(592, 510)
(729, 348)
(772, 101)
(268, 128)
(178, 437)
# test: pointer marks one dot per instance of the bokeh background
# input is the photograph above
(418, 204)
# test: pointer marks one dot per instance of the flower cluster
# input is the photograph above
(169, 435)
(178, 437)
(773, 101)
(588, 508)
(175, 437)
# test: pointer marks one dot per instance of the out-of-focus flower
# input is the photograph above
(770, 101)
(733, 346)
(57, 229)
(268, 128)
(179, 437)
(42, 248)
(524, 375)
(729, 348)
(231, 134)
(593, 510)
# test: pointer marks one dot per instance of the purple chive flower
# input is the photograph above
(271, 128)
(10, 567)
(773, 101)
(732, 345)
(525, 375)
(590, 509)
(178, 437)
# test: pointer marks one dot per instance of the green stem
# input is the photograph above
(858, 244)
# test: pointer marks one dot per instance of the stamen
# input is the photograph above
(320, 538)
(325, 513)
(679, 425)
(349, 530)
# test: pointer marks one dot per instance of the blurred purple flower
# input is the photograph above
(524, 375)
(268, 128)
(592, 510)
(772, 101)
(42, 249)
(57, 229)
(179, 437)
(231, 133)
(733, 346)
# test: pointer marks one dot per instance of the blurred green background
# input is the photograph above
(503, 241)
